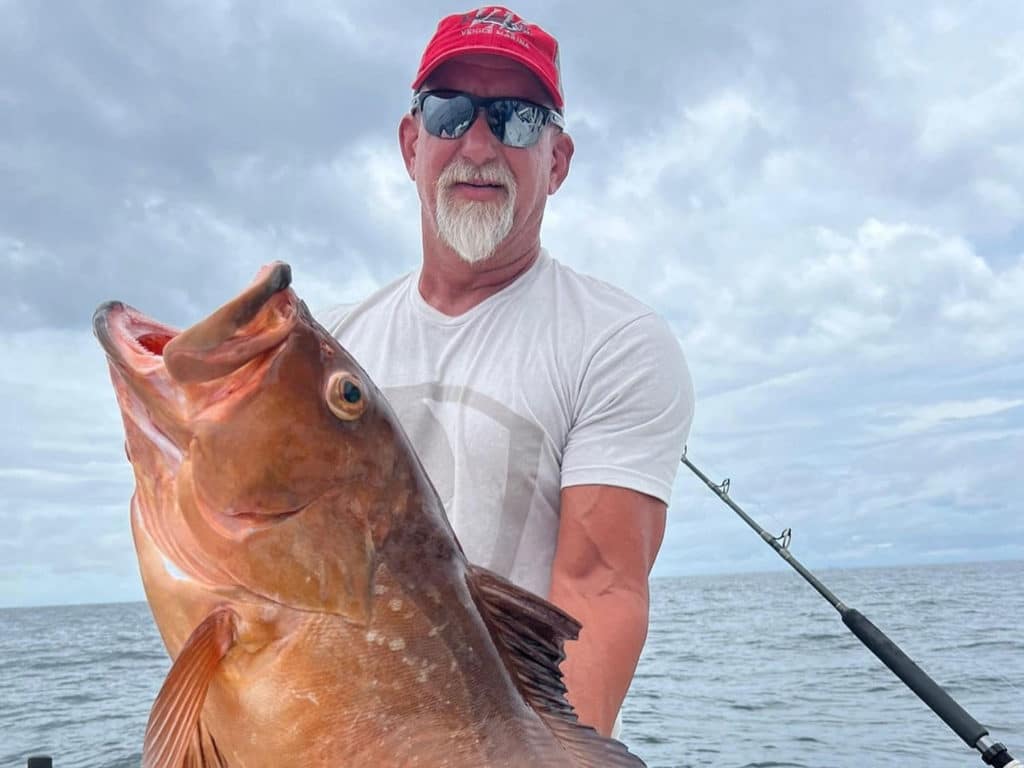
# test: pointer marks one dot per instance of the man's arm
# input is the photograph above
(608, 538)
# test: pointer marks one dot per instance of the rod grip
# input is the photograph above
(941, 703)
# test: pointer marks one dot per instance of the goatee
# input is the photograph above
(474, 228)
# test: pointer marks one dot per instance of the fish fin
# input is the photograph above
(530, 633)
(203, 751)
(174, 719)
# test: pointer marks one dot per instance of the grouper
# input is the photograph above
(301, 571)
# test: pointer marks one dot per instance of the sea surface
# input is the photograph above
(752, 670)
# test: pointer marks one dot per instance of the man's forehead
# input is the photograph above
(488, 75)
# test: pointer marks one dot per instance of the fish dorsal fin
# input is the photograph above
(174, 719)
(531, 633)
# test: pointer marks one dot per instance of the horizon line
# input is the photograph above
(780, 567)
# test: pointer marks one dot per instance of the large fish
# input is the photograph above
(300, 568)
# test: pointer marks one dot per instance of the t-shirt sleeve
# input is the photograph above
(633, 413)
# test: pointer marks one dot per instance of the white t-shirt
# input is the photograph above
(557, 380)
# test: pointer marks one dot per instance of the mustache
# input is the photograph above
(461, 171)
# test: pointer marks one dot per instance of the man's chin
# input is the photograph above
(473, 259)
(472, 250)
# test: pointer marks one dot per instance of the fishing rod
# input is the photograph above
(941, 703)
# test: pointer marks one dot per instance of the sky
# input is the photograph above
(825, 201)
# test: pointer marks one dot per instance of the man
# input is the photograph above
(549, 408)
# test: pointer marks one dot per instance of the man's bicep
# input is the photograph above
(608, 538)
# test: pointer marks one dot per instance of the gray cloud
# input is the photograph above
(181, 147)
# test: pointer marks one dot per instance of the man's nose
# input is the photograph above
(479, 144)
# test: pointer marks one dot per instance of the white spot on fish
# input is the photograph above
(395, 604)
(396, 644)
(173, 571)
(380, 589)
(425, 671)
(372, 636)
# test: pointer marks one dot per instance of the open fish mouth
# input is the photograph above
(134, 344)
(164, 377)
(131, 339)
(250, 324)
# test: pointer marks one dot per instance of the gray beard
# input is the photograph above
(474, 229)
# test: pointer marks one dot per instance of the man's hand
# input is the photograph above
(608, 538)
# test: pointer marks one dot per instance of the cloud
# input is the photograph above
(922, 418)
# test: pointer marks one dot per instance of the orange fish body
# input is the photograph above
(302, 572)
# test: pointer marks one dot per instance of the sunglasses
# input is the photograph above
(516, 122)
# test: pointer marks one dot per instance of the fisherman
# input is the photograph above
(549, 408)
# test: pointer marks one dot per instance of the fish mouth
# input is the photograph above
(253, 322)
(131, 340)
(164, 377)
(152, 413)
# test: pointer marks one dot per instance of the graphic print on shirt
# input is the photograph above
(499, 453)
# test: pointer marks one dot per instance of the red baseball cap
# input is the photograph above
(499, 31)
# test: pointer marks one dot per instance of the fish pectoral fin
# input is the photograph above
(174, 719)
(203, 752)
(533, 633)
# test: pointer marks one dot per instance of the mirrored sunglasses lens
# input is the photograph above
(521, 125)
(447, 117)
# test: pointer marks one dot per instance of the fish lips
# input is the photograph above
(255, 322)
(131, 340)
(213, 347)
(151, 411)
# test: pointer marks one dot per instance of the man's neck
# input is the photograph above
(453, 286)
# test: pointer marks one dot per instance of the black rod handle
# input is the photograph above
(40, 761)
(930, 692)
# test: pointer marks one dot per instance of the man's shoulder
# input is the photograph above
(597, 302)
(595, 290)
(611, 329)
(334, 317)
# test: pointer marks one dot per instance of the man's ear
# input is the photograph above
(408, 134)
(561, 157)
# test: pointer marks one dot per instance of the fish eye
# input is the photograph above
(345, 396)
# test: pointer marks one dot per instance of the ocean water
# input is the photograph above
(749, 670)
